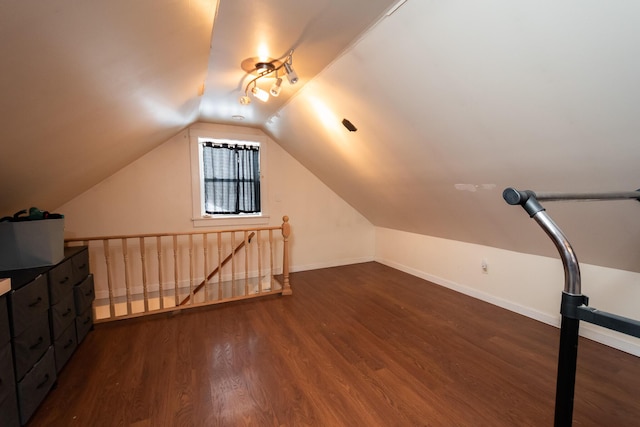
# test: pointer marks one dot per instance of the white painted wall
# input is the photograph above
(527, 284)
(153, 194)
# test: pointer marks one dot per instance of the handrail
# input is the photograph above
(181, 233)
(128, 284)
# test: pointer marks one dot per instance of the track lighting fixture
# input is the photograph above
(267, 69)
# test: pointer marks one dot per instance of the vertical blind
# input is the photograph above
(231, 178)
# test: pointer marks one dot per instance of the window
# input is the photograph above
(227, 178)
(231, 178)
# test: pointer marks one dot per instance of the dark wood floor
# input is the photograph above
(361, 345)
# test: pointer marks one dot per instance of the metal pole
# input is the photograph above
(568, 351)
(623, 195)
(573, 303)
(566, 376)
(529, 201)
(515, 197)
(572, 278)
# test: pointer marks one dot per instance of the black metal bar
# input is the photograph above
(610, 321)
(566, 376)
(622, 195)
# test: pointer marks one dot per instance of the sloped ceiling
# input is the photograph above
(456, 96)
(88, 86)
(453, 101)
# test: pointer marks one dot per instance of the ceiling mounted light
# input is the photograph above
(267, 69)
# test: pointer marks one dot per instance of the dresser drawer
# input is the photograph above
(9, 411)
(84, 322)
(84, 295)
(33, 388)
(60, 281)
(5, 333)
(62, 315)
(80, 266)
(27, 303)
(31, 344)
(65, 345)
(7, 379)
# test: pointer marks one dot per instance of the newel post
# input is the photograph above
(286, 231)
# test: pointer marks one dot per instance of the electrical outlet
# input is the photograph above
(485, 266)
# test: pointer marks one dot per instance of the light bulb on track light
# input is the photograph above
(292, 76)
(275, 89)
(260, 94)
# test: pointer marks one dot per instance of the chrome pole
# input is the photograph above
(529, 201)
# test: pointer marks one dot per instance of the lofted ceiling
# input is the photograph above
(453, 102)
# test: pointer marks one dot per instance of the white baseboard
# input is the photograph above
(329, 264)
(586, 330)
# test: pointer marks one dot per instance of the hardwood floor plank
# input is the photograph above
(359, 345)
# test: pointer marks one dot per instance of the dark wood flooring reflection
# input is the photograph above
(361, 345)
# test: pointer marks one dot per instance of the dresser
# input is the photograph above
(8, 397)
(49, 313)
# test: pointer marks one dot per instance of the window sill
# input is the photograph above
(231, 220)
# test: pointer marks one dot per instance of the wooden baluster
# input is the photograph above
(159, 251)
(271, 272)
(191, 268)
(259, 261)
(219, 266)
(286, 231)
(127, 283)
(175, 268)
(206, 266)
(144, 275)
(246, 263)
(233, 264)
(107, 258)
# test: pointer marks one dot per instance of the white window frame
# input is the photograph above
(199, 217)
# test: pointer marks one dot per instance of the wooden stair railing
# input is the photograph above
(132, 288)
(217, 269)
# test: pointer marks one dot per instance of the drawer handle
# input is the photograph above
(37, 344)
(83, 266)
(87, 320)
(43, 383)
(36, 302)
(65, 280)
(89, 293)
(66, 313)
(69, 344)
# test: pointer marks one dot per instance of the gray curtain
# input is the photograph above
(231, 178)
